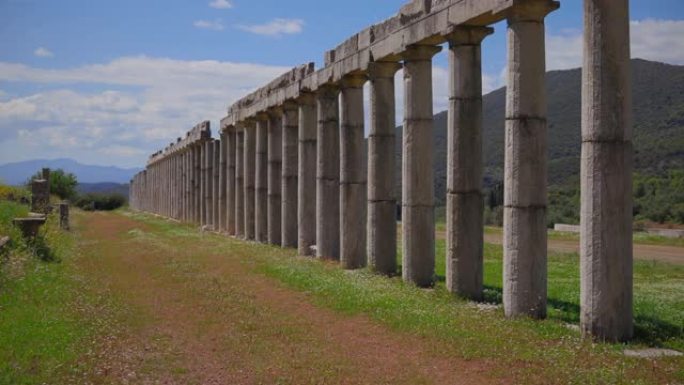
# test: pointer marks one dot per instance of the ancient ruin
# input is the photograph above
(291, 168)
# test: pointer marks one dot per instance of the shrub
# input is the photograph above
(100, 202)
(63, 184)
(14, 194)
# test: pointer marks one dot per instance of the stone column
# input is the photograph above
(306, 182)
(524, 288)
(231, 186)
(607, 165)
(418, 218)
(223, 183)
(289, 174)
(382, 198)
(197, 183)
(275, 170)
(209, 184)
(328, 174)
(249, 176)
(464, 263)
(216, 162)
(240, 182)
(352, 174)
(202, 182)
(261, 180)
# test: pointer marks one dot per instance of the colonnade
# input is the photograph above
(291, 167)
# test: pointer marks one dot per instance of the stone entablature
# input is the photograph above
(420, 22)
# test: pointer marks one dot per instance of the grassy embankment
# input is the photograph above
(49, 315)
(521, 347)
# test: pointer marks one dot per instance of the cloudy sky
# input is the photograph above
(109, 82)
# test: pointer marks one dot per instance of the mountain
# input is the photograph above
(658, 101)
(19, 172)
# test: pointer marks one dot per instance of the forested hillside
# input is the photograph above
(658, 93)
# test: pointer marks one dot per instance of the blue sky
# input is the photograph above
(108, 82)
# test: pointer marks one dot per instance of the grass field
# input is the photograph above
(49, 315)
(54, 315)
(471, 332)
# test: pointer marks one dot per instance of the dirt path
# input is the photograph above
(670, 254)
(198, 313)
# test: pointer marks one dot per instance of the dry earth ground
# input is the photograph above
(197, 314)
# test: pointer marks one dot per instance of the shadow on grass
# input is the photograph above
(40, 248)
(648, 330)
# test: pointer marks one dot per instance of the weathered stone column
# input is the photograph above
(464, 263)
(203, 183)
(261, 181)
(352, 174)
(231, 188)
(197, 183)
(418, 218)
(289, 174)
(306, 182)
(328, 174)
(249, 176)
(216, 162)
(275, 170)
(382, 197)
(223, 183)
(525, 271)
(607, 164)
(209, 184)
(240, 181)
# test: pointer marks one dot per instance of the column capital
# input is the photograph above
(420, 52)
(383, 69)
(261, 116)
(532, 11)
(356, 80)
(327, 90)
(307, 98)
(275, 112)
(289, 105)
(467, 35)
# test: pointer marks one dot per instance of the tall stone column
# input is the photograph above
(203, 183)
(209, 184)
(306, 182)
(197, 183)
(231, 186)
(328, 174)
(525, 170)
(464, 263)
(607, 164)
(249, 179)
(240, 182)
(418, 218)
(275, 171)
(223, 183)
(261, 181)
(290, 158)
(382, 197)
(352, 174)
(216, 162)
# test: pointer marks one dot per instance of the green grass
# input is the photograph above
(46, 310)
(459, 327)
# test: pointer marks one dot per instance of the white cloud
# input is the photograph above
(216, 25)
(141, 105)
(221, 4)
(43, 52)
(277, 27)
(657, 40)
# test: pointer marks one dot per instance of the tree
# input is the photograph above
(63, 184)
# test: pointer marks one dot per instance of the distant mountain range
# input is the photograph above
(17, 173)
